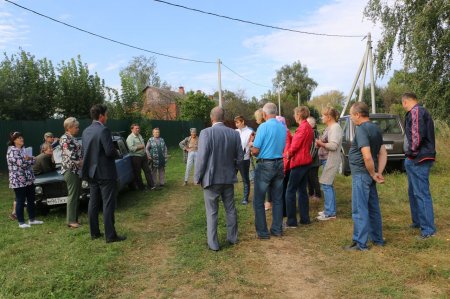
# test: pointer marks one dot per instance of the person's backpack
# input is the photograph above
(314, 150)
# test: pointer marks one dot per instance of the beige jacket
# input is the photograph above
(333, 146)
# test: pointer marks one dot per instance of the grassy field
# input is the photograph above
(166, 255)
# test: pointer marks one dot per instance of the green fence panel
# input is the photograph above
(172, 131)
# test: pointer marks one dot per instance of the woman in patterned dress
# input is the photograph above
(156, 150)
(21, 178)
(71, 162)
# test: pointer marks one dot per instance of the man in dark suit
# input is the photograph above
(219, 154)
(100, 169)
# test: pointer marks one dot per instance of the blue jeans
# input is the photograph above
(420, 196)
(330, 200)
(298, 179)
(25, 194)
(268, 175)
(366, 212)
(244, 169)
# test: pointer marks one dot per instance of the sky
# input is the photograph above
(254, 52)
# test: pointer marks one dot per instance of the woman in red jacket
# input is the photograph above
(299, 162)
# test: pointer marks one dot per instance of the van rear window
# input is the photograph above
(388, 125)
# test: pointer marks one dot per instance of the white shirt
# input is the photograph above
(245, 134)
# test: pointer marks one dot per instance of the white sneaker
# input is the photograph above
(24, 225)
(321, 213)
(325, 217)
(34, 222)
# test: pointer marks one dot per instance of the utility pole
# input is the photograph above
(298, 99)
(279, 97)
(220, 82)
(367, 59)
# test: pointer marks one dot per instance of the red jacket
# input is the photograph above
(286, 148)
(300, 145)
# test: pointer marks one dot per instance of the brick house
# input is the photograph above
(161, 103)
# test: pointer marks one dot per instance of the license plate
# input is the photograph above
(388, 146)
(56, 200)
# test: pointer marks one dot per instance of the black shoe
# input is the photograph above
(264, 237)
(95, 237)
(279, 235)
(424, 237)
(116, 239)
(354, 247)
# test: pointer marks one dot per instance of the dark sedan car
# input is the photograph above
(51, 189)
(393, 138)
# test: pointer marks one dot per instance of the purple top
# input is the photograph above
(20, 170)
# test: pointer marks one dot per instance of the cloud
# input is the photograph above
(65, 17)
(114, 65)
(13, 30)
(331, 61)
(92, 66)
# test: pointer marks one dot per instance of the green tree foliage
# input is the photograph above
(135, 77)
(196, 106)
(367, 98)
(237, 103)
(28, 87)
(398, 84)
(332, 98)
(78, 90)
(420, 31)
(293, 79)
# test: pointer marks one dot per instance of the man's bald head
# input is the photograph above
(217, 114)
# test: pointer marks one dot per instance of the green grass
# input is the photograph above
(166, 254)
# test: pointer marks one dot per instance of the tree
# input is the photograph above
(78, 90)
(27, 87)
(196, 106)
(420, 31)
(135, 77)
(332, 98)
(237, 103)
(294, 79)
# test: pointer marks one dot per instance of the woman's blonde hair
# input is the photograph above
(70, 122)
(259, 116)
(331, 112)
(303, 111)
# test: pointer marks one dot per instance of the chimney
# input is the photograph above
(181, 90)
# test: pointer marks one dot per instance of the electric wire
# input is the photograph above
(237, 74)
(134, 47)
(107, 38)
(255, 23)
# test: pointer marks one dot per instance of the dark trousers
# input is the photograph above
(102, 191)
(285, 184)
(297, 180)
(244, 169)
(313, 181)
(141, 163)
(25, 194)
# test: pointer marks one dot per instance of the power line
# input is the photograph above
(255, 23)
(237, 74)
(107, 38)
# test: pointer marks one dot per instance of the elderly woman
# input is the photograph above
(333, 144)
(71, 162)
(21, 178)
(157, 154)
(299, 161)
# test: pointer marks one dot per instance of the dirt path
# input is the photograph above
(277, 268)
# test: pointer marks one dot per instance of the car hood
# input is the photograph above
(50, 177)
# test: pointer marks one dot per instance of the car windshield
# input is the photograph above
(388, 125)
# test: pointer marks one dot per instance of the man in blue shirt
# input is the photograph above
(367, 159)
(268, 147)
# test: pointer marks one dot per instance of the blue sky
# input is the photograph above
(252, 51)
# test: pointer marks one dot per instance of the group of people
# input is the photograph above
(285, 164)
